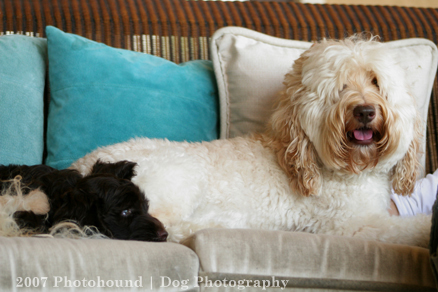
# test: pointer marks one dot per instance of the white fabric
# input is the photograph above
(421, 201)
(250, 68)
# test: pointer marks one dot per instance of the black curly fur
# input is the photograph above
(106, 199)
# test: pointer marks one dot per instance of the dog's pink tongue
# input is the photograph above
(362, 135)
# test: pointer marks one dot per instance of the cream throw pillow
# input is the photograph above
(250, 68)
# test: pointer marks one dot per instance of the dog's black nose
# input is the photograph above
(162, 235)
(364, 113)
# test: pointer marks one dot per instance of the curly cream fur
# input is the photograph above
(11, 200)
(406, 170)
(295, 153)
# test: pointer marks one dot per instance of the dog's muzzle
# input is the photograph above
(364, 115)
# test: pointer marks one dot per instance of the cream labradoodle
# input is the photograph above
(344, 131)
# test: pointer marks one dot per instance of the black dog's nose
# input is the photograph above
(162, 235)
(364, 113)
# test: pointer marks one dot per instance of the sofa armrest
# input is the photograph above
(54, 264)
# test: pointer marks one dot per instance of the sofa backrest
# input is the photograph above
(180, 30)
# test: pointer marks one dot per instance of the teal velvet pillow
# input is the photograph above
(102, 95)
(22, 79)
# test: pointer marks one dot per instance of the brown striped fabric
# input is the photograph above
(179, 30)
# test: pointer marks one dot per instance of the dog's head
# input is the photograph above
(108, 200)
(347, 108)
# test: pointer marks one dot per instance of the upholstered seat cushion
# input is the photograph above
(308, 261)
(48, 264)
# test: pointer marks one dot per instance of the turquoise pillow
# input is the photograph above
(22, 79)
(102, 95)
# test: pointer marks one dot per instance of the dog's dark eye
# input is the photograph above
(374, 81)
(345, 86)
(126, 213)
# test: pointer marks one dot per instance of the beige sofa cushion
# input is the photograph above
(64, 264)
(310, 261)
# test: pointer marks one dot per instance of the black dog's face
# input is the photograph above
(108, 200)
(120, 209)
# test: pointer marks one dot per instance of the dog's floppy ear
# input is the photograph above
(59, 182)
(295, 152)
(73, 204)
(405, 172)
(121, 169)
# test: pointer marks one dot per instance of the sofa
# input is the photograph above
(179, 32)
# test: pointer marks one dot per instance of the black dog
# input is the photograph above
(106, 199)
